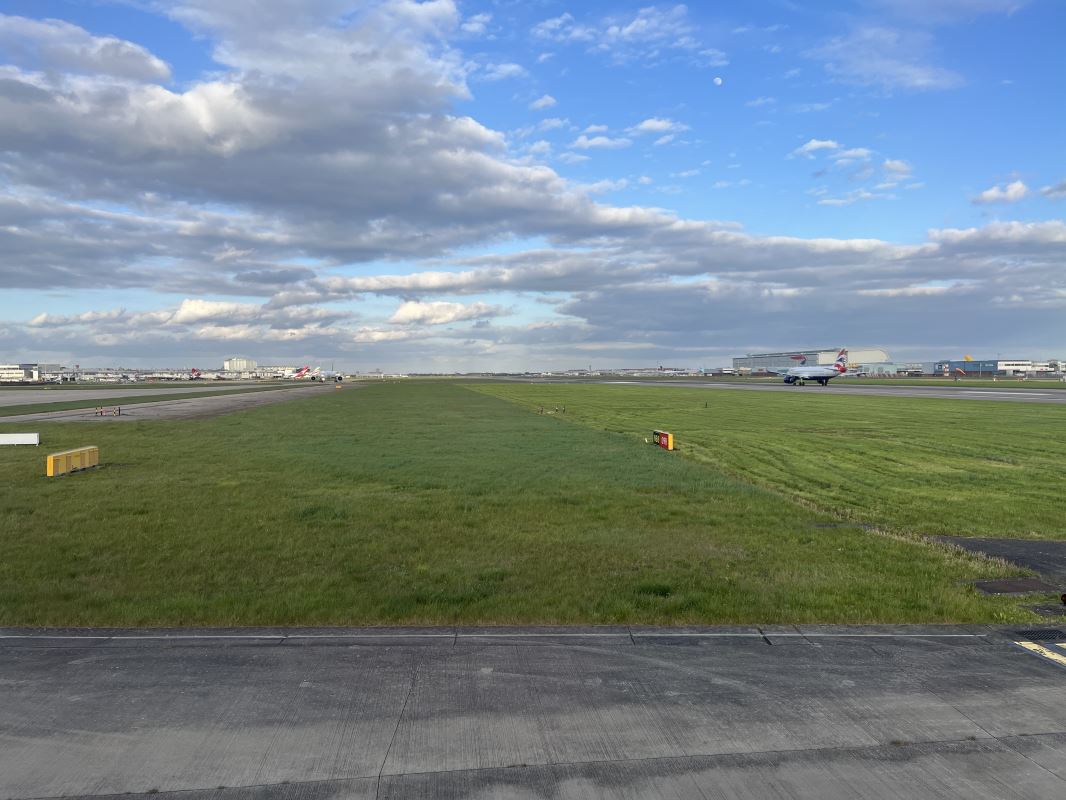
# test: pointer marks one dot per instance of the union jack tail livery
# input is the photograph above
(841, 364)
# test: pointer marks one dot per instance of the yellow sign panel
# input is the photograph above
(72, 461)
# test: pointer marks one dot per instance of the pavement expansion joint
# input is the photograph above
(890, 746)
(622, 636)
(399, 721)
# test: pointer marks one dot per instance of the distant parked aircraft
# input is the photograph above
(326, 375)
(800, 375)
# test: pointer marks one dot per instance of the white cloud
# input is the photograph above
(1055, 192)
(852, 154)
(807, 108)
(544, 101)
(658, 125)
(584, 142)
(595, 129)
(414, 312)
(885, 58)
(649, 36)
(812, 146)
(853, 196)
(572, 158)
(664, 140)
(192, 311)
(551, 123)
(759, 29)
(946, 11)
(606, 185)
(500, 72)
(1000, 237)
(713, 57)
(45, 319)
(857, 163)
(1010, 193)
(607, 290)
(906, 291)
(476, 25)
(563, 29)
(54, 44)
(761, 101)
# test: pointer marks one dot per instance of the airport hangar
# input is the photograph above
(755, 363)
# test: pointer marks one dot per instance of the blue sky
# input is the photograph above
(505, 185)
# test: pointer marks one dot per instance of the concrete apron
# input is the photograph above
(820, 712)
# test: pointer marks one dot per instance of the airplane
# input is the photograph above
(326, 375)
(800, 375)
(301, 373)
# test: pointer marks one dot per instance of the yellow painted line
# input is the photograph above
(1047, 653)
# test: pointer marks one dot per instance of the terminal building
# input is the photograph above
(239, 364)
(998, 367)
(19, 373)
(755, 363)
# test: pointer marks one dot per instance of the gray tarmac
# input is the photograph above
(738, 712)
(1046, 557)
(25, 397)
(189, 407)
(947, 391)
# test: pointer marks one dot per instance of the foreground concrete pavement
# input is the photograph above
(821, 712)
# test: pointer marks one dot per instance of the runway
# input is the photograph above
(734, 712)
(1034, 395)
(187, 407)
(25, 397)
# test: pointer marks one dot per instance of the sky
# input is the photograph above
(449, 186)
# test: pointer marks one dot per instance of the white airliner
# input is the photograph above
(326, 375)
(800, 375)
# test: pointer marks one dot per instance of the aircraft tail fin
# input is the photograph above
(841, 364)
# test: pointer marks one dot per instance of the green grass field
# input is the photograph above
(426, 503)
(911, 465)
